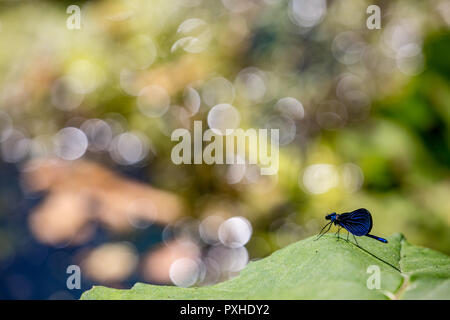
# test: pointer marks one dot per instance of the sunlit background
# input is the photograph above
(86, 176)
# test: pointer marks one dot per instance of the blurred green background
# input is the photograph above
(364, 119)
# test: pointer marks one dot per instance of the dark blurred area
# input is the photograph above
(86, 117)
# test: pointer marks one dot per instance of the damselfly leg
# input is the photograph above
(337, 233)
(355, 240)
(322, 233)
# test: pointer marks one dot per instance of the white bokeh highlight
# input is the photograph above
(235, 232)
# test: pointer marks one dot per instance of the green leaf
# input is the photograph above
(323, 269)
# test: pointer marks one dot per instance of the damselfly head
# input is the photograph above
(331, 216)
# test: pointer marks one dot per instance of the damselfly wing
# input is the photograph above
(358, 222)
